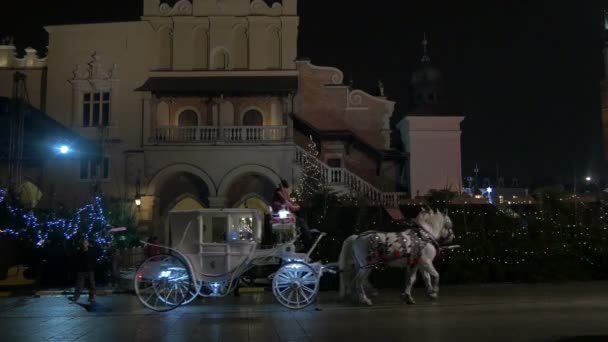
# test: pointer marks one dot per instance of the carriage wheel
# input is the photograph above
(163, 282)
(192, 292)
(295, 285)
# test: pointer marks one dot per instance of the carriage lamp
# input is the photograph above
(215, 288)
(283, 214)
(138, 201)
(588, 179)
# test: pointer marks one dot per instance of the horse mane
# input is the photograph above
(431, 219)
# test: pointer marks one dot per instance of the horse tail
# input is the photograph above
(346, 254)
(344, 263)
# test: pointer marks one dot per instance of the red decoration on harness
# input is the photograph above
(414, 261)
(397, 254)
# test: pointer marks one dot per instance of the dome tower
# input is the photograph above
(426, 82)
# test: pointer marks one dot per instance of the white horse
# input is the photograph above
(412, 249)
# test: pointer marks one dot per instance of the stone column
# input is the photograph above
(145, 212)
(286, 117)
(218, 110)
(149, 124)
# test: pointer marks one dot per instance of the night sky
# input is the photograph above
(524, 73)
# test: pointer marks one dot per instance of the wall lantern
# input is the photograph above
(137, 195)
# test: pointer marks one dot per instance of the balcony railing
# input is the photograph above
(211, 134)
(339, 176)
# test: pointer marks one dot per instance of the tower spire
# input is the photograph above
(425, 54)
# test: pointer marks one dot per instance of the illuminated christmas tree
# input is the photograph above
(312, 181)
(38, 228)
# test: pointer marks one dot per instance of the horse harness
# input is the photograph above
(387, 247)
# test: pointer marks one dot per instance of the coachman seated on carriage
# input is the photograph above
(284, 218)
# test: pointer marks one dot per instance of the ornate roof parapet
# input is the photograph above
(9, 58)
(327, 75)
(95, 72)
(260, 7)
(169, 8)
(180, 8)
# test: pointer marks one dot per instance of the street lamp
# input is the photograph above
(588, 179)
(138, 201)
(64, 149)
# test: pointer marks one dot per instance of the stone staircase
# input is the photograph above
(343, 182)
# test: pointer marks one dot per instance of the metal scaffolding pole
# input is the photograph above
(18, 106)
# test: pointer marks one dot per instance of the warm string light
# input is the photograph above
(538, 235)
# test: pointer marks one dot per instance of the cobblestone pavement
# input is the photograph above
(565, 312)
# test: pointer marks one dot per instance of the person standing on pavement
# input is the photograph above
(85, 264)
(116, 260)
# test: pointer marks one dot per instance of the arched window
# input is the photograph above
(221, 60)
(253, 118)
(187, 118)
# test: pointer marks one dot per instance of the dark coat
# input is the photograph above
(85, 261)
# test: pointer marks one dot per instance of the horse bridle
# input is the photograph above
(451, 235)
(435, 241)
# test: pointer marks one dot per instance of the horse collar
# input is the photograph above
(426, 236)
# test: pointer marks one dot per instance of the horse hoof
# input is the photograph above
(366, 302)
(409, 300)
(431, 296)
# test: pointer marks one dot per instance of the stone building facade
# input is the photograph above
(201, 104)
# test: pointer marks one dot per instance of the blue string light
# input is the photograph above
(28, 225)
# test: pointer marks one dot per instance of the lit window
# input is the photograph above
(95, 109)
(91, 168)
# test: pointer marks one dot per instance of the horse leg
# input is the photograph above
(360, 286)
(410, 279)
(347, 283)
(427, 281)
(360, 251)
(373, 292)
(434, 275)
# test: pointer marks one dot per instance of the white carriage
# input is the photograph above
(210, 249)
